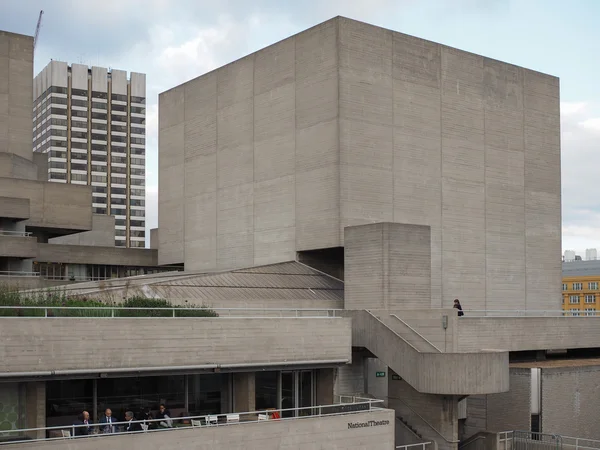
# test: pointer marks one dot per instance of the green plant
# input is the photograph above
(53, 299)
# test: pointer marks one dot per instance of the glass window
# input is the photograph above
(77, 102)
(99, 105)
(121, 128)
(206, 394)
(119, 139)
(137, 120)
(75, 166)
(119, 97)
(590, 298)
(135, 99)
(99, 211)
(121, 191)
(565, 286)
(137, 212)
(137, 223)
(577, 286)
(58, 90)
(58, 176)
(96, 94)
(80, 92)
(138, 151)
(593, 285)
(79, 145)
(79, 134)
(138, 110)
(78, 113)
(98, 137)
(100, 189)
(79, 177)
(65, 400)
(137, 393)
(266, 390)
(121, 108)
(574, 299)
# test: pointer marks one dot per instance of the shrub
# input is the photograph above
(56, 298)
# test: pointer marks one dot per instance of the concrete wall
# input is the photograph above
(43, 345)
(434, 373)
(350, 378)
(258, 139)
(18, 246)
(435, 417)
(13, 166)
(429, 324)
(347, 124)
(102, 234)
(571, 401)
(511, 410)
(326, 433)
(87, 254)
(527, 333)
(16, 87)
(14, 208)
(154, 238)
(52, 205)
(387, 266)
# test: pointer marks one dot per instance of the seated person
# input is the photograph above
(83, 419)
(132, 424)
(165, 415)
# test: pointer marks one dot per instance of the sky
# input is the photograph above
(177, 40)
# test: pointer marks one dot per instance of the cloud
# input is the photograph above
(580, 192)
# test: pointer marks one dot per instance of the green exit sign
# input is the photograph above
(380, 374)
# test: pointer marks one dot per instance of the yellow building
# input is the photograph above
(580, 288)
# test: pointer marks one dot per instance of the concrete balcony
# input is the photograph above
(331, 427)
(15, 244)
(53, 346)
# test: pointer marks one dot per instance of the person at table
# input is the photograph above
(132, 424)
(165, 415)
(82, 427)
(106, 422)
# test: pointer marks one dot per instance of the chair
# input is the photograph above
(196, 423)
(212, 420)
(66, 433)
(263, 417)
(233, 418)
(144, 426)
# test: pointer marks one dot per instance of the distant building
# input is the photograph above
(580, 286)
(591, 254)
(569, 255)
(74, 108)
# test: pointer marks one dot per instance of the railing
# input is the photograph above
(8, 437)
(15, 233)
(419, 446)
(529, 313)
(416, 416)
(177, 312)
(18, 274)
(427, 341)
(506, 440)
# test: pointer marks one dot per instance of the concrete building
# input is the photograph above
(347, 124)
(91, 124)
(330, 196)
(580, 281)
(49, 232)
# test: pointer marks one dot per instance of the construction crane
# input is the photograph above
(37, 30)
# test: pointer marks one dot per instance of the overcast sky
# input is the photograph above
(174, 41)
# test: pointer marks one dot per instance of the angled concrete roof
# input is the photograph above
(290, 284)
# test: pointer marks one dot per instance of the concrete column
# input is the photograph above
(325, 382)
(35, 407)
(244, 389)
(387, 266)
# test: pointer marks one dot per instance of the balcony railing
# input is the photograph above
(116, 312)
(419, 446)
(529, 313)
(15, 233)
(8, 437)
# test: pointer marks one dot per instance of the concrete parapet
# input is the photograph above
(43, 345)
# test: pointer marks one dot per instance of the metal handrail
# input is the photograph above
(503, 313)
(450, 441)
(423, 445)
(15, 233)
(17, 273)
(276, 312)
(417, 333)
(209, 420)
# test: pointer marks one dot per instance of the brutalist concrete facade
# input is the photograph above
(347, 124)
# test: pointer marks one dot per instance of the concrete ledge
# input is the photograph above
(42, 345)
(527, 333)
(14, 208)
(88, 254)
(55, 208)
(374, 430)
(18, 246)
(432, 373)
